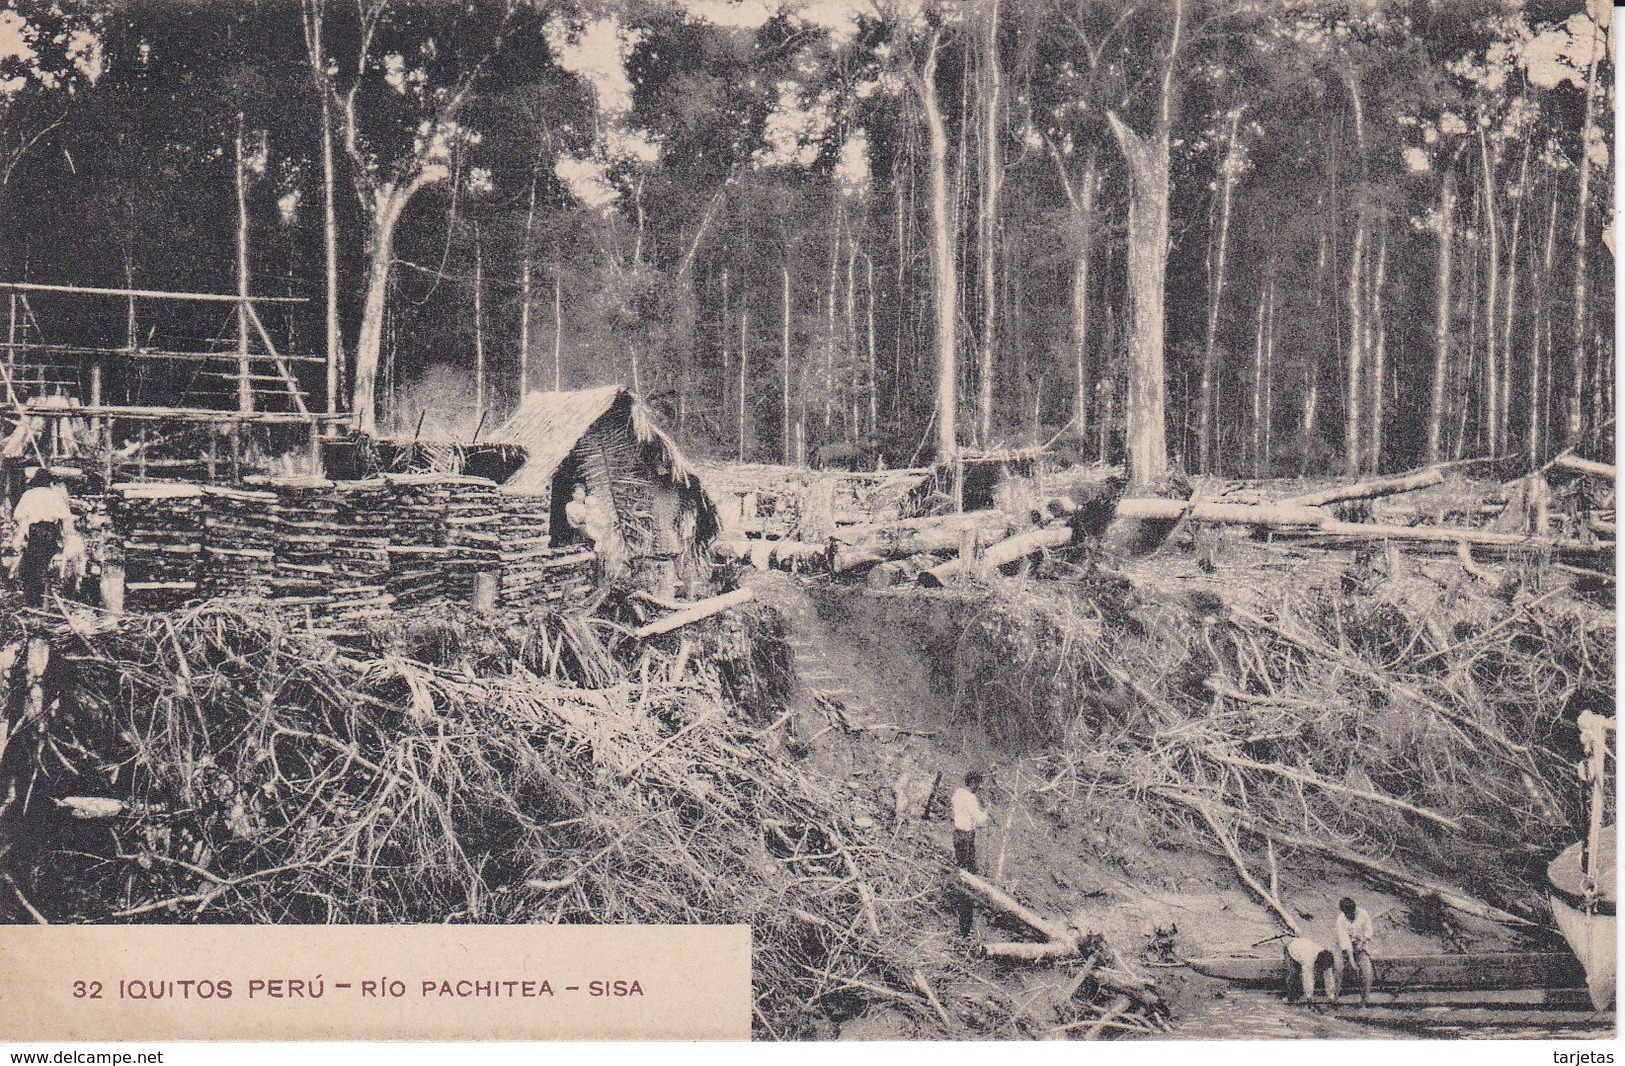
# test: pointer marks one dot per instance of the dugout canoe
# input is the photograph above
(1406, 973)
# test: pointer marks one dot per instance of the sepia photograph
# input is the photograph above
(808, 520)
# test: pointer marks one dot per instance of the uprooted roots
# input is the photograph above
(242, 772)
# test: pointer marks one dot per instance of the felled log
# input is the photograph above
(1585, 466)
(1018, 951)
(1453, 536)
(896, 572)
(696, 612)
(1005, 551)
(1245, 514)
(997, 899)
(858, 546)
(1365, 490)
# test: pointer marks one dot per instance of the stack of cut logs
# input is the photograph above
(360, 550)
(533, 571)
(417, 541)
(473, 534)
(160, 531)
(306, 514)
(239, 541)
(343, 551)
(935, 550)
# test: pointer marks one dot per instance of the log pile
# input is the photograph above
(340, 551)
(160, 534)
(417, 538)
(533, 571)
(473, 534)
(239, 547)
(360, 550)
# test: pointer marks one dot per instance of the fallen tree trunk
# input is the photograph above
(1005, 552)
(694, 613)
(997, 899)
(1585, 466)
(1331, 786)
(1447, 535)
(1243, 514)
(859, 546)
(1365, 490)
(1017, 951)
(1420, 886)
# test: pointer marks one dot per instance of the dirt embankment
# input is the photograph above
(1402, 718)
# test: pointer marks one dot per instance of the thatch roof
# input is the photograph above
(549, 424)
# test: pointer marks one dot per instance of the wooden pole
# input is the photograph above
(785, 390)
(744, 364)
(245, 392)
(558, 331)
(479, 325)
(178, 295)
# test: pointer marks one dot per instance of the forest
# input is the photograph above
(1236, 237)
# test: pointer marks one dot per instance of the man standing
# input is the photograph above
(968, 817)
(1354, 935)
(43, 524)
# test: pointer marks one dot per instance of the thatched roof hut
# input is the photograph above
(605, 441)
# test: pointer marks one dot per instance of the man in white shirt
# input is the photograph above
(43, 523)
(968, 817)
(1309, 965)
(1354, 934)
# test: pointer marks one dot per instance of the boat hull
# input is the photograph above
(1404, 973)
(1593, 938)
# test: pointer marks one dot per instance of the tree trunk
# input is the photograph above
(1219, 256)
(525, 286)
(1510, 316)
(1581, 242)
(988, 223)
(330, 255)
(1080, 301)
(316, 56)
(1379, 353)
(874, 365)
(829, 323)
(558, 329)
(744, 368)
(388, 201)
(245, 387)
(785, 389)
(1355, 368)
(1441, 324)
(944, 275)
(479, 329)
(1146, 431)
(1311, 389)
(1145, 424)
(1539, 374)
(724, 326)
(1359, 335)
(1492, 291)
(1258, 381)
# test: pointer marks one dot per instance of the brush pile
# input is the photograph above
(214, 766)
(1399, 718)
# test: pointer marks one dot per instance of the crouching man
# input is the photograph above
(1309, 964)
